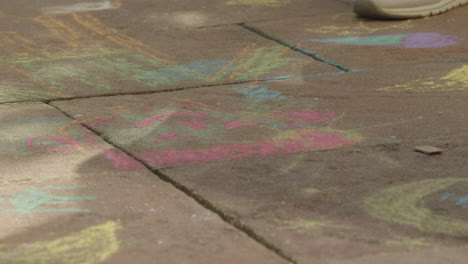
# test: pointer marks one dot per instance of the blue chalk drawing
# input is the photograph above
(445, 196)
(30, 199)
(462, 201)
(285, 77)
(411, 41)
(366, 41)
(459, 201)
(260, 93)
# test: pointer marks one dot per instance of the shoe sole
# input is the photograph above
(367, 8)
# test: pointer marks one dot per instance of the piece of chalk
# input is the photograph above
(430, 150)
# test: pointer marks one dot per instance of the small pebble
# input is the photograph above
(429, 150)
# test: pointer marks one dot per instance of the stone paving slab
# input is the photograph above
(361, 44)
(77, 55)
(57, 206)
(163, 15)
(323, 166)
(375, 204)
(169, 14)
(288, 116)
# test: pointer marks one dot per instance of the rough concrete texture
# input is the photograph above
(362, 44)
(317, 206)
(170, 14)
(287, 116)
(346, 205)
(58, 208)
(257, 131)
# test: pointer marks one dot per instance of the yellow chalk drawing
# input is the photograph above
(348, 135)
(89, 246)
(361, 28)
(410, 242)
(302, 225)
(272, 3)
(460, 75)
(404, 204)
(310, 191)
(456, 80)
(105, 39)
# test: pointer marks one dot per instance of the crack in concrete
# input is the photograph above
(227, 218)
(69, 98)
(268, 79)
(312, 54)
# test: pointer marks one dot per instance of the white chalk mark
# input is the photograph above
(81, 7)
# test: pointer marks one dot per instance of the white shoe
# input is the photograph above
(404, 8)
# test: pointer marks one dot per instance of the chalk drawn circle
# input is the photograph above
(402, 204)
(53, 143)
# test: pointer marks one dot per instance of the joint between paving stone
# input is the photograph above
(227, 218)
(69, 98)
(311, 54)
(177, 89)
(233, 221)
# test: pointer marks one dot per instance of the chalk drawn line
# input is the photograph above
(92, 245)
(31, 198)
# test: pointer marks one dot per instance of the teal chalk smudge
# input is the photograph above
(260, 93)
(445, 196)
(207, 67)
(459, 201)
(387, 40)
(463, 202)
(202, 69)
(28, 200)
(280, 78)
(66, 187)
(455, 61)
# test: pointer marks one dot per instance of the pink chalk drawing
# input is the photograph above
(122, 160)
(53, 143)
(296, 117)
(170, 137)
(236, 124)
(88, 135)
(100, 121)
(146, 122)
(154, 213)
(195, 124)
(306, 141)
(281, 131)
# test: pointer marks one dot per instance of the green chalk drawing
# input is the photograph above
(11, 93)
(30, 199)
(259, 62)
(249, 65)
(126, 68)
(100, 72)
(56, 74)
(94, 55)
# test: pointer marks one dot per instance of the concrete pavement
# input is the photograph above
(230, 132)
